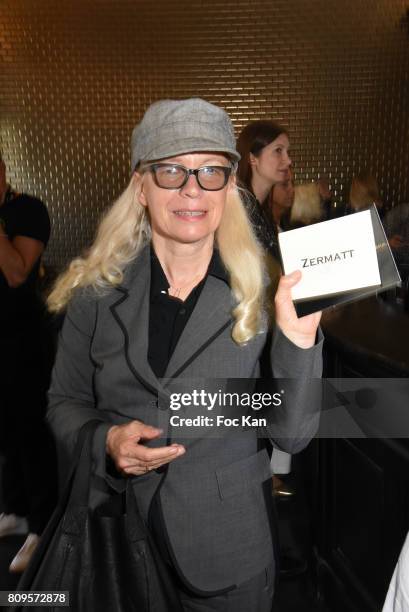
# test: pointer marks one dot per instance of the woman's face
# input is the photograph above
(283, 194)
(272, 165)
(189, 214)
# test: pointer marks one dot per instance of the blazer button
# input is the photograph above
(162, 404)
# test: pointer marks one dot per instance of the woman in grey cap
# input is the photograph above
(173, 289)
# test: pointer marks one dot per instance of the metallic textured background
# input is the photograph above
(76, 76)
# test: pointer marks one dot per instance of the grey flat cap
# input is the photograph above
(175, 127)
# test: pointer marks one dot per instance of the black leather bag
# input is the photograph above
(105, 558)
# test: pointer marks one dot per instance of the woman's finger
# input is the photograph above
(143, 468)
(285, 285)
(146, 454)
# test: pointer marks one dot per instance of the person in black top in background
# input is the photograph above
(28, 477)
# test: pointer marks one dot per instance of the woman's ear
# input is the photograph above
(232, 184)
(142, 197)
(252, 159)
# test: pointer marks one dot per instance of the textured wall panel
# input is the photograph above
(76, 76)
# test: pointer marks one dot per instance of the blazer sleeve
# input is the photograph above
(297, 373)
(71, 396)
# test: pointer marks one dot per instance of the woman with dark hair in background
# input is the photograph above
(265, 166)
(263, 146)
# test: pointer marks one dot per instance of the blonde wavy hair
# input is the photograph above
(307, 207)
(125, 230)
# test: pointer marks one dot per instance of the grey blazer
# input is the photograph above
(215, 515)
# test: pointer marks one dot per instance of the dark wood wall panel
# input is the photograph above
(76, 75)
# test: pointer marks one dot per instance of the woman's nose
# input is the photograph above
(191, 188)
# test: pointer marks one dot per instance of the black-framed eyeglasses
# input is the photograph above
(175, 176)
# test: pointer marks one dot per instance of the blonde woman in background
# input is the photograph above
(307, 207)
(173, 287)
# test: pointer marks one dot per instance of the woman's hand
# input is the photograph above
(301, 331)
(124, 446)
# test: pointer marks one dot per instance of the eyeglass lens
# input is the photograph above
(174, 176)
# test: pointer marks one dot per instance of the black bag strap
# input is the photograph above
(136, 527)
(82, 467)
(78, 495)
(82, 448)
(76, 503)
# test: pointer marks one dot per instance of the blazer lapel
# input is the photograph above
(131, 312)
(210, 317)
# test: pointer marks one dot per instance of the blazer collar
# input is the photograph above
(209, 318)
(131, 312)
(211, 315)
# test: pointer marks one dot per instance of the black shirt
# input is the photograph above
(22, 215)
(168, 315)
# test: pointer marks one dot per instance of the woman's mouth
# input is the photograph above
(190, 214)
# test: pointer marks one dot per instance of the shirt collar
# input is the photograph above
(216, 267)
(159, 282)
